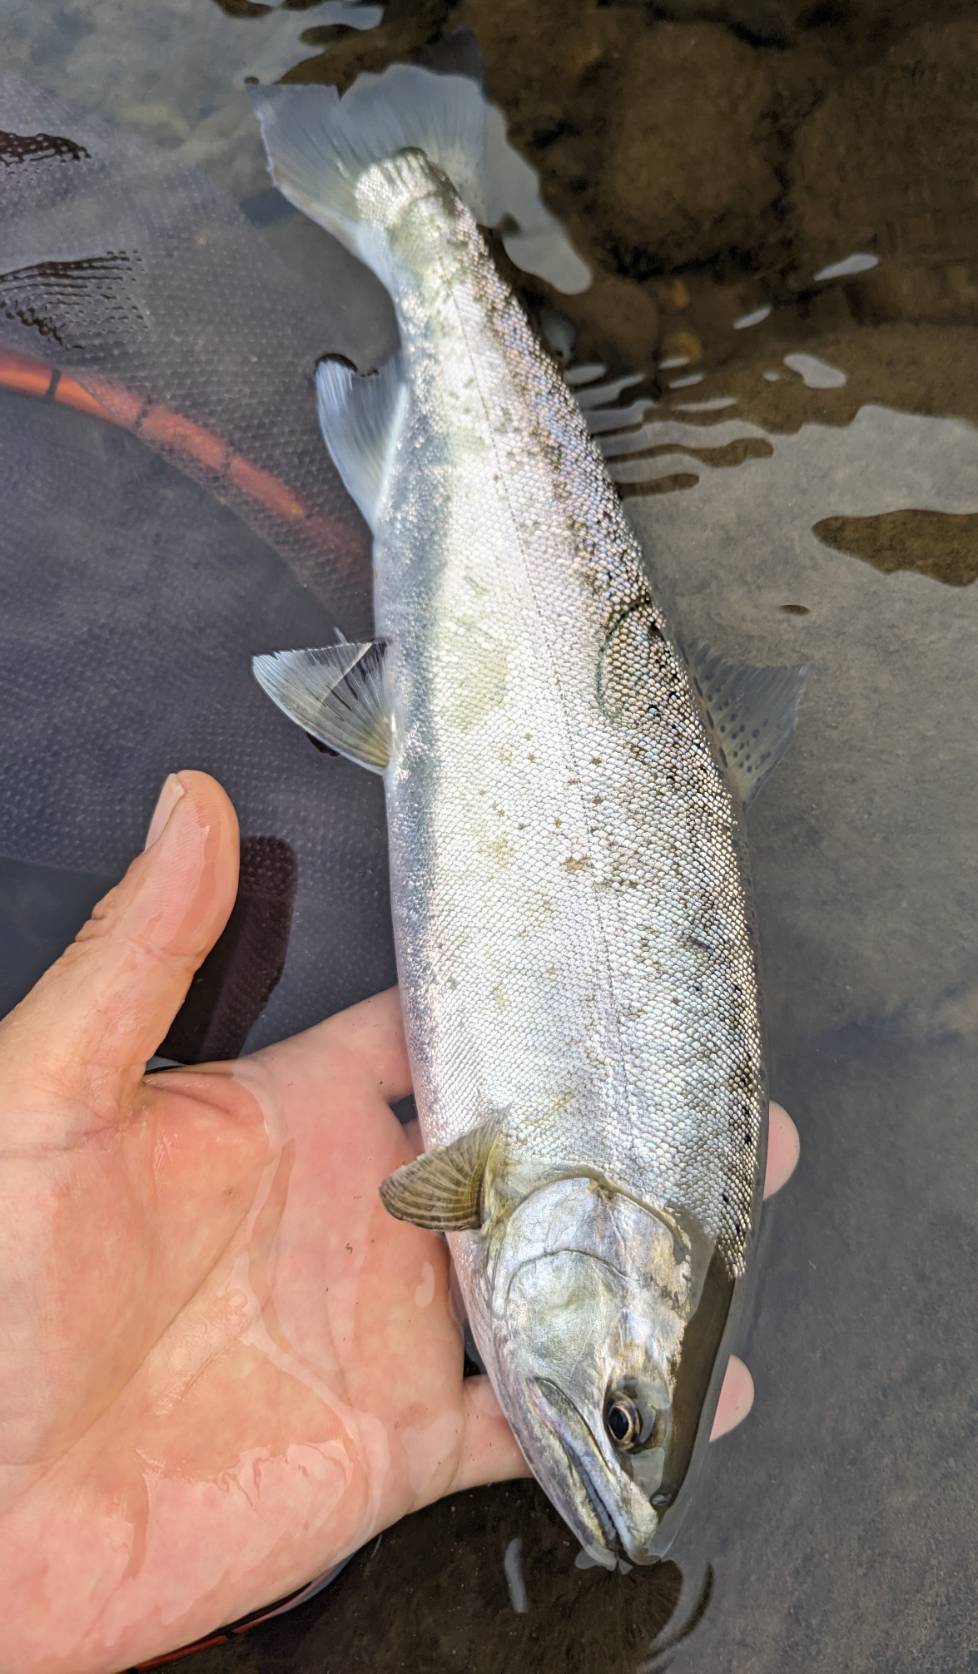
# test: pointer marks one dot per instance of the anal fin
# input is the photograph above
(751, 712)
(337, 693)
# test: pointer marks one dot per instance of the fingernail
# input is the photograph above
(168, 798)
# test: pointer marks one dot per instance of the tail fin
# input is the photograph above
(318, 144)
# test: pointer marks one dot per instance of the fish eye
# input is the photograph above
(623, 1421)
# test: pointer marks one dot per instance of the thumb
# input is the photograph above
(84, 1032)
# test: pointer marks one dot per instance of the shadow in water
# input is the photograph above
(236, 979)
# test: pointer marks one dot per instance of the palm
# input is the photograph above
(272, 1366)
(223, 1366)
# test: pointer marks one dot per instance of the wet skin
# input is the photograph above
(223, 1366)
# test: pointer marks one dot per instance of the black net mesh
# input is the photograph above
(169, 509)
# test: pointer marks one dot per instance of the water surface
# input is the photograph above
(775, 204)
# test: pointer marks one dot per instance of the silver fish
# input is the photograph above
(571, 912)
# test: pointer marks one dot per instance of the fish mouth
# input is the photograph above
(599, 1523)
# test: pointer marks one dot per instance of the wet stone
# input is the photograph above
(686, 177)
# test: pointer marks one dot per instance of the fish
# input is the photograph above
(564, 789)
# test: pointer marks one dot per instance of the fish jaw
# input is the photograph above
(587, 1493)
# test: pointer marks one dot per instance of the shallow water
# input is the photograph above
(814, 498)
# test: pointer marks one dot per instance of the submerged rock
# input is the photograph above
(688, 173)
(863, 175)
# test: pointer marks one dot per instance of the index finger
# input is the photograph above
(783, 1148)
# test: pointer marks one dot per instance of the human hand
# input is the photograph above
(223, 1366)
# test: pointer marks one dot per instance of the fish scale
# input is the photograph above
(571, 910)
(565, 856)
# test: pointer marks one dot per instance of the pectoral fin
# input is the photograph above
(337, 693)
(442, 1189)
(751, 712)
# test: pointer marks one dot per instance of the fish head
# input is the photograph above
(592, 1295)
